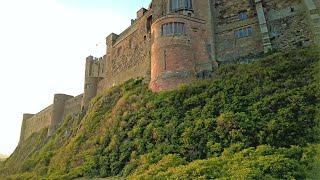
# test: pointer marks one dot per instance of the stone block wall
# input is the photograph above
(50, 117)
(290, 32)
(73, 106)
(36, 123)
(128, 54)
(227, 22)
(288, 24)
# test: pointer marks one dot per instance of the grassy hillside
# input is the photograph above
(2, 157)
(253, 121)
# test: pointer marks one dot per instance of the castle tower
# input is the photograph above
(93, 74)
(182, 43)
(57, 111)
(90, 91)
(23, 127)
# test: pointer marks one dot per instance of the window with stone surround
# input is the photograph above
(176, 5)
(173, 28)
(243, 15)
(244, 32)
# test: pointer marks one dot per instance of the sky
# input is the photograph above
(43, 46)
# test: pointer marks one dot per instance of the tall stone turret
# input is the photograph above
(90, 91)
(57, 111)
(23, 126)
(93, 74)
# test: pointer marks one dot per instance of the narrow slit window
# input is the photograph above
(165, 59)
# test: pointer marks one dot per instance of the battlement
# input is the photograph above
(94, 67)
(141, 12)
(111, 39)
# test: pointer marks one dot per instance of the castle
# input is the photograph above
(175, 42)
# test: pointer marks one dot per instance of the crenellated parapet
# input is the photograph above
(94, 72)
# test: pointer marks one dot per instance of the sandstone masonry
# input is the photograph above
(175, 42)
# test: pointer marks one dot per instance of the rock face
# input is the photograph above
(176, 42)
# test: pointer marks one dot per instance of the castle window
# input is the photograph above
(149, 22)
(165, 59)
(243, 15)
(176, 5)
(174, 28)
(291, 9)
(245, 32)
(209, 48)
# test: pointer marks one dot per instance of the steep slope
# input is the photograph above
(3, 157)
(257, 120)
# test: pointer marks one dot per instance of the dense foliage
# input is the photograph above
(257, 120)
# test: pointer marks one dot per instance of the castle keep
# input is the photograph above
(175, 42)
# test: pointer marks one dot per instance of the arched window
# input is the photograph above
(173, 28)
(176, 5)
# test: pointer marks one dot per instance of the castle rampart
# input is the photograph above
(73, 106)
(35, 123)
(52, 116)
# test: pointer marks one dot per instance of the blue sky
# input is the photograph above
(43, 48)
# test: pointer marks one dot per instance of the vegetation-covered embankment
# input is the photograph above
(252, 121)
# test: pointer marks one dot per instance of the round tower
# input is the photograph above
(172, 58)
(57, 111)
(181, 44)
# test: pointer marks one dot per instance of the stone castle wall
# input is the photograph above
(128, 55)
(36, 123)
(227, 22)
(269, 24)
(286, 21)
(288, 24)
(73, 106)
(51, 116)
